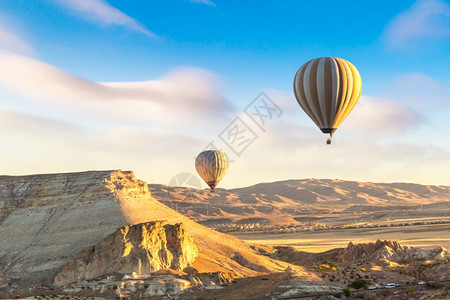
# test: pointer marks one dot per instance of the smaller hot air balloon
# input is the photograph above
(212, 165)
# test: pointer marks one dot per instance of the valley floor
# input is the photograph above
(425, 236)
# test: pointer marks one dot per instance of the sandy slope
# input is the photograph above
(217, 251)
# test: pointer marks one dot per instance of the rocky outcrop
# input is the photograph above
(143, 248)
(46, 219)
(389, 251)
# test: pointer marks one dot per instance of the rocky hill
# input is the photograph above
(47, 220)
(307, 200)
(390, 251)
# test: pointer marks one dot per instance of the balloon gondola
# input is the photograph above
(327, 89)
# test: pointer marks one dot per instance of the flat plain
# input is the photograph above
(425, 236)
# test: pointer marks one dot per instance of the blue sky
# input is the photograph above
(146, 85)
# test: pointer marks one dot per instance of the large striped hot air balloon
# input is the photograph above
(327, 88)
(212, 165)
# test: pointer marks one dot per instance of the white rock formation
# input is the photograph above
(143, 248)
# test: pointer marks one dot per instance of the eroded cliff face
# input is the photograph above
(47, 219)
(143, 248)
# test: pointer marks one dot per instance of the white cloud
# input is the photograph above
(207, 2)
(376, 117)
(9, 40)
(101, 12)
(289, 150)
(26, 126)
(185, 95)
(33, 144)
(419, 91)
(426, 19)
(154, 127)
(375, 143)
(381, 117)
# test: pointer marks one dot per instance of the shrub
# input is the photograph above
(359, 284)
(434, 285)
(409, 290)
(346, 292)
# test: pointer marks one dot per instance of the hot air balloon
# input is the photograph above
(327, 88)
(212, 165)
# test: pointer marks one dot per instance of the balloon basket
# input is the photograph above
(328, 141)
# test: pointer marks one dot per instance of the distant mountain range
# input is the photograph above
(307, 200)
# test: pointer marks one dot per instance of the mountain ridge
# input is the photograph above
(291, 199)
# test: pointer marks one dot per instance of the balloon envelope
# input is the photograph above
(212, 165)
(327, 89)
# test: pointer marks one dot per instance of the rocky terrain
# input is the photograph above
(60, 225)
(390, 252)
(307, 201)
(102, 234)
(143, 248)
(377, 263)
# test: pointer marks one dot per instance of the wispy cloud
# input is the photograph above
(426, 19)
(35, 144)
(99, 11)
(207, 2)
(419, 91)
(184, 94)
(9, 40)
(381, 117)
(186, 99)
(290, 150)
(373, 144)
(153, 127)
(376, 117)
